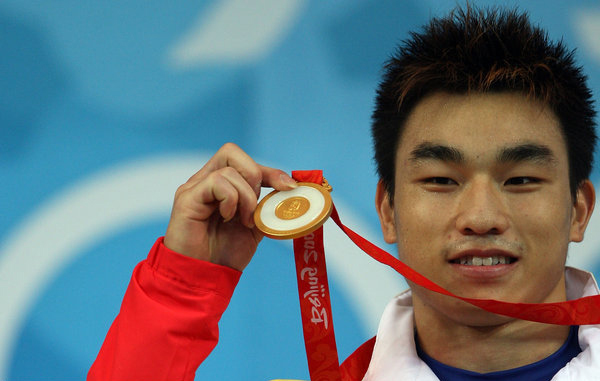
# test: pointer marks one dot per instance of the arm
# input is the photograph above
(168, 320)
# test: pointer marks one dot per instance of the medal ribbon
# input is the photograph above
(580, 311)
(316, 307)
(315, 302)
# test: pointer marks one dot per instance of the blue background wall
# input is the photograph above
(106, 107)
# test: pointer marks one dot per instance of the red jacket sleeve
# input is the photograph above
(168, 320)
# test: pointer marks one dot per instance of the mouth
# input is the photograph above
(484, 265)
(494, 260)
(483, 258)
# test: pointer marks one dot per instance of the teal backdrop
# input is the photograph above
(106, 107)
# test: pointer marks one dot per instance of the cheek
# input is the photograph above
(545, 227)
(419, 227)
(548, 218)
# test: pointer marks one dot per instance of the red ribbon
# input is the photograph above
(315, 302)
(320, 338)
(580, 311)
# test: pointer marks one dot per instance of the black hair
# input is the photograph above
(491, 50)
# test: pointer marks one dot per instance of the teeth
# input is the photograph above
(483, 261)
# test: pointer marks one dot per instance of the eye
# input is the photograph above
(440, 181)
(522, 180)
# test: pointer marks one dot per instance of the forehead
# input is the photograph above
(479, 124)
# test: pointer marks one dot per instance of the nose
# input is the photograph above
(481, 210)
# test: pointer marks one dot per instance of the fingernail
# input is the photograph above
(288, 181)
(229, 217)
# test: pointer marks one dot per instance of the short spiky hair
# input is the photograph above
(490, 50)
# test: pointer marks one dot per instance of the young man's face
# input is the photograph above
(482, 203)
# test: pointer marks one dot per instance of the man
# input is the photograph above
(484, 139)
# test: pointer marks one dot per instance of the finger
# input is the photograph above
(230, 191)
(219, 189)
(230, 155)
(276, 179)
(247, 198)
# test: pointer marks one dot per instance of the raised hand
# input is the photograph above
(212, 216)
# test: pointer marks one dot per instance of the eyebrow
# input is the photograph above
(439, 152)
(525, 152)
(532, 152)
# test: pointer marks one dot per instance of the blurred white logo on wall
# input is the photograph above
(236, 31)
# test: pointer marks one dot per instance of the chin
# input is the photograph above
(455, 311)
(474, 317)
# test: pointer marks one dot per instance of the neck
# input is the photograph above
(465, 337)
(494, 348)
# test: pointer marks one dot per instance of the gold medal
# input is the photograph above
(294, 213)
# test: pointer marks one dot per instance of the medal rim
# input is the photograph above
(303, 230)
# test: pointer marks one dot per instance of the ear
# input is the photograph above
(582, 210)
(385, 210)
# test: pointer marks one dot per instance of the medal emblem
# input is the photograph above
(294, 213)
